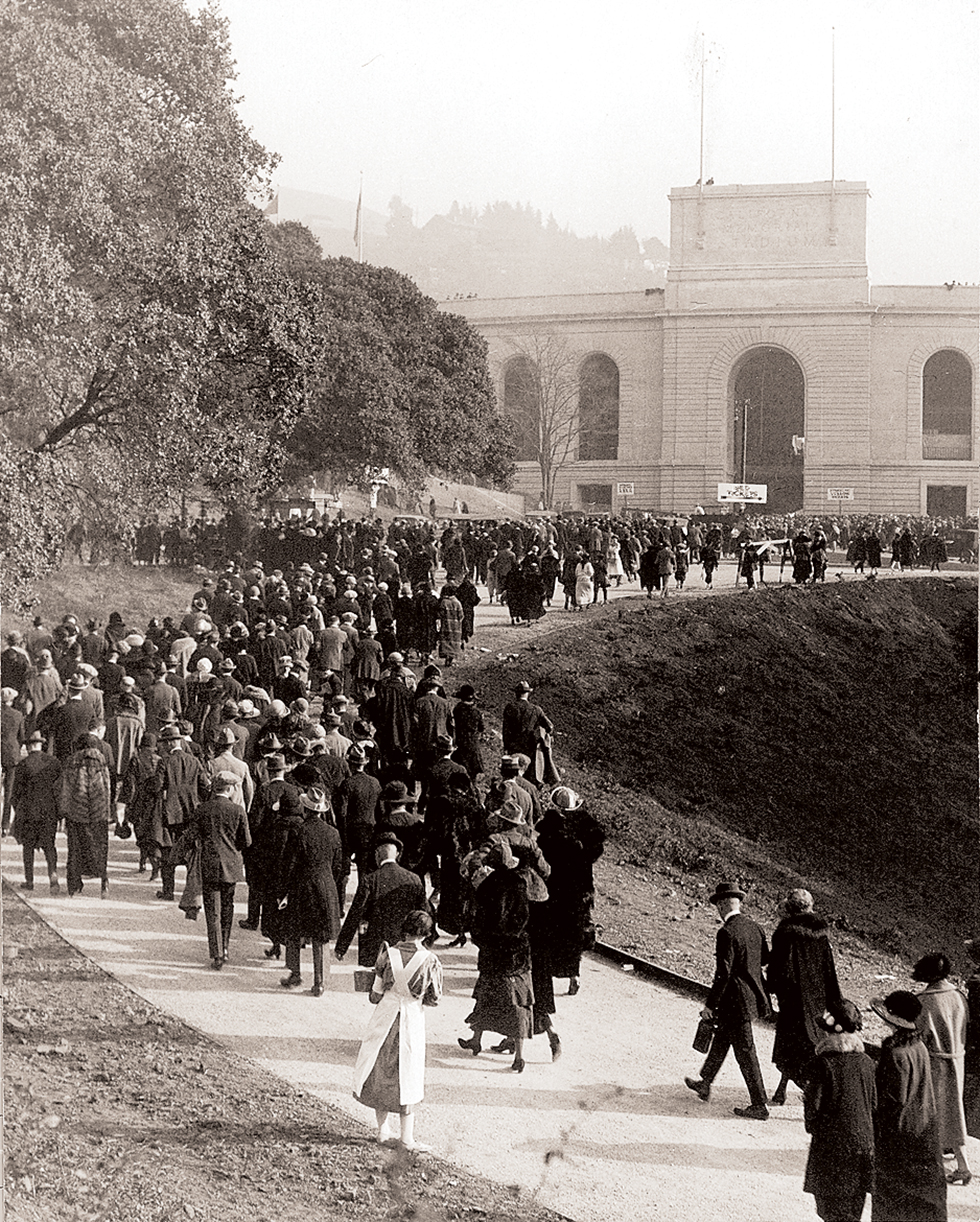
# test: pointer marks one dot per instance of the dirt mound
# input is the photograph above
(823, 734)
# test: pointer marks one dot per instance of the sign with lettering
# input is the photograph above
(756, 494)
(625, 490)
(840, 494)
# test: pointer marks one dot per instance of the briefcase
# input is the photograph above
(363, 979)
(704, 1035)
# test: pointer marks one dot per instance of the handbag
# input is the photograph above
(363, 979)
(704, 1035)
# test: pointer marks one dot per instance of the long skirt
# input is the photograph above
(88, 849)
(504, 1004)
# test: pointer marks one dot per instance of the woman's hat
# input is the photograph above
(466, 692)
(899, 1009)
(727, 891)
(397, 792)
(566, 799)
(843, 1017)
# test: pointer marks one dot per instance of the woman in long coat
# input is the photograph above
(426, 609)
(942, 1025)
(389, 1075)
(503, 992)
(909, 1180)
(469, 731)
(803, 975)
(571, 841)
(450, 625)
(583, 582)
(312, 874)
(85, 803)
(838, 1109)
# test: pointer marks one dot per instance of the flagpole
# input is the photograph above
(360, 226)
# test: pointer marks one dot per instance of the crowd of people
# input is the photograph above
(880, 1124)
(263, 737)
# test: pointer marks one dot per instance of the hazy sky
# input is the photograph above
(591, 112)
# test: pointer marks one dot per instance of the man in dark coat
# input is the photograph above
(63, 723)
(312, 877)
(382, 901)
(181, 786)
(738, 994)
(222, 826)
(803, 976)
(259, 857)
(36, 786)
(523, 724)
(390, 712)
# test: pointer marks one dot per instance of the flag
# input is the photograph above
(272, 207)
(357, 220)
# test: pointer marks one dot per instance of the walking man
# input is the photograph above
(738, 994)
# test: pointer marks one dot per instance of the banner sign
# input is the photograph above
(840, 494)
(625, 490)
(757, 494)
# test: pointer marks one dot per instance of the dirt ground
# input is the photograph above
(823, 737)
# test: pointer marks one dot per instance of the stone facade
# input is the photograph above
(768, 359)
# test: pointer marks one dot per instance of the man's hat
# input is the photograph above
(523, 686)
(330, 719)
(36, 737)
(510, 812)
(466, 692)
(225, 737)
(270, 742)
(357, 754)
(169, 733)
(509, 763)
(726, 891)
(340, 698)
(565, 799)
(276, 762)
(229, 778)
(444, 742)
(315, 799)
(387, 838)
(301, 747)
(76, 683)
(397, 793)
(227, 665)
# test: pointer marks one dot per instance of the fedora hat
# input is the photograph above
(315, 799)
(170, 733)
(510, 812)
(225, 737)
(387, 838)
(727, 891)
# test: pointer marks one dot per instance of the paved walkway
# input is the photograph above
(607, 1132)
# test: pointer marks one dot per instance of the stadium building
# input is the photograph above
(769, 359)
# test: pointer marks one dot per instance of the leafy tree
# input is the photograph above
(397, 383)
(146, 333)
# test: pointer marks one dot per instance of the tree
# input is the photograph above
(397, 383)
(541, 388)
(146, 332)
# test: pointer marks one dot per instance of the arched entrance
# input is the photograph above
(768, 412)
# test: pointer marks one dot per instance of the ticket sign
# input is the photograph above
(840, 494)
(756, 494)
(625, 490)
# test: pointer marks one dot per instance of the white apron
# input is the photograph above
(398, 1003)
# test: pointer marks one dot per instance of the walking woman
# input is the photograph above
(942, 1025)
(503, 993)
(909, 1180)
(389, 1075)
(583, 582)
(86, 805)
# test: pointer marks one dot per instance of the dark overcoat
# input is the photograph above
(838, 1109)
(738, 993)
(312, 878)
(803, 976)
(383, 899)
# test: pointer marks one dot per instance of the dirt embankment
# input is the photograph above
(823, 736)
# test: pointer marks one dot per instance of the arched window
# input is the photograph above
(947, 406)
(598, 408)
(768, 398)
(522, 406)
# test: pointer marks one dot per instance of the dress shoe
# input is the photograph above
(959, 1177)
(701, 1089)
(518, 1065)
(27, 886)
(217, 964)
(757, 1111)
(272, 952)
(248, 925)
(165, 895)
(778, 1097)
(317, 990)
(555, 1043)
(472, 1045)
(292, 981)
(503, 1046)
(104, 891)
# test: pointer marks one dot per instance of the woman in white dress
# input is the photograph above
(389, 1075)
(614, 561)
(583, 582)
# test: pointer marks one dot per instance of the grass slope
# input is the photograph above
(823, 735)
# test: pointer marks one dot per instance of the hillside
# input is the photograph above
(824, 736)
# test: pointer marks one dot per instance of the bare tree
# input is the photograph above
(541, 394)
